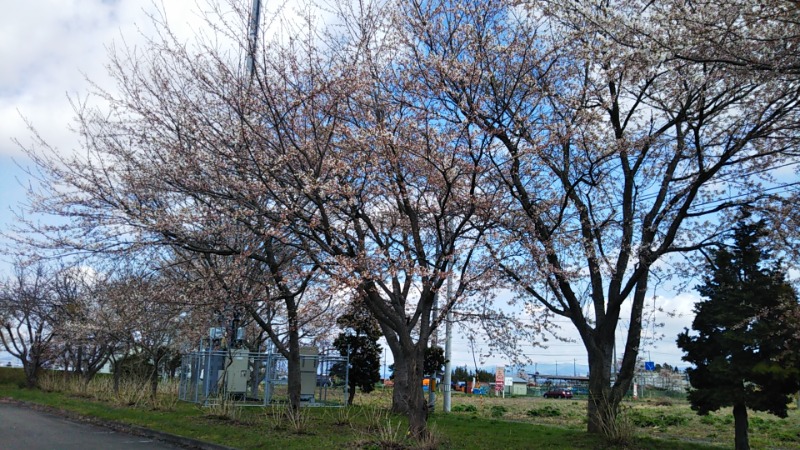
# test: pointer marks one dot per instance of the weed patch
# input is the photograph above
(284, 417)
(464, 408)
(498, 411)
(708, 420)
(546, 411)
(644, 419)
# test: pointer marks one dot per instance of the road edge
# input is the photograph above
(181, 441)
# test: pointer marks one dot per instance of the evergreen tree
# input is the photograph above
(365, 353)
(433, 364)
(744, 344)
(434, 361)
(461, 373)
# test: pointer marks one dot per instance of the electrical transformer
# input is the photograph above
(309, 358)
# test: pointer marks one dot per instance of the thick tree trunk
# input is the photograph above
(79, 360)
(400, 372)
(31, 370)
(602, 404)
(158, 358)
(604, 398)
(409, 357)
(293, 363)
(416, 405)
(32, 366)
(400, 390)
(741, 439)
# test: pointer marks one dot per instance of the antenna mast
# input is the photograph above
(253, 37)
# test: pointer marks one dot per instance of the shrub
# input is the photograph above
(498, 410)
(547, 411)
(464, 408)
(660, 419)
(707, 420)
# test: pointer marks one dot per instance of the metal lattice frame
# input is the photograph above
(210, 377)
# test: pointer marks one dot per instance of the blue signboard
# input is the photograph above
(649, 366)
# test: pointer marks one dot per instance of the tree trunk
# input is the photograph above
(32, 365)
(158, 357)
(412, 400)
(400, 390)
(400, 372)
(741, 439)
(604, 399)
(79, 360)
(293, 363)
(602, 406)
(117, 375)
(351, 393)
(409, 358)
(31, 370)
(154, 382)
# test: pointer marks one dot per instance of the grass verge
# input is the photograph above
(479, 423)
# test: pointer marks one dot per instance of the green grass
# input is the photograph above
(480, 423)
(253, 431)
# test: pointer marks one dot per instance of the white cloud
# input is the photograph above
(50, 47)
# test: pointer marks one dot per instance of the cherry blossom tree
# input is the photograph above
(742, 34)
(147, 312)
(86, 339)
(180, 165)
(29, 318)
(616, 148)
(322, 159)
(385, 201)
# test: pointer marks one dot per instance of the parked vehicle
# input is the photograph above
(558, 393)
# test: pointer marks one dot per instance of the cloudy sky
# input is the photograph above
(49, 48)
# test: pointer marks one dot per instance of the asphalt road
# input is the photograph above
(26, 429)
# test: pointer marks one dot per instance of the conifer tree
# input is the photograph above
(744, 339)
(360, 338)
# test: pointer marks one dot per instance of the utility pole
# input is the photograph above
(434, 344)
(448, 352)
(448, 332)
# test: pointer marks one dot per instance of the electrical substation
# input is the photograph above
(218, 373)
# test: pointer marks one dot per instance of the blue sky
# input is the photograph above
(50, 47)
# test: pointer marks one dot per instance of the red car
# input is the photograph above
(558, 393)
